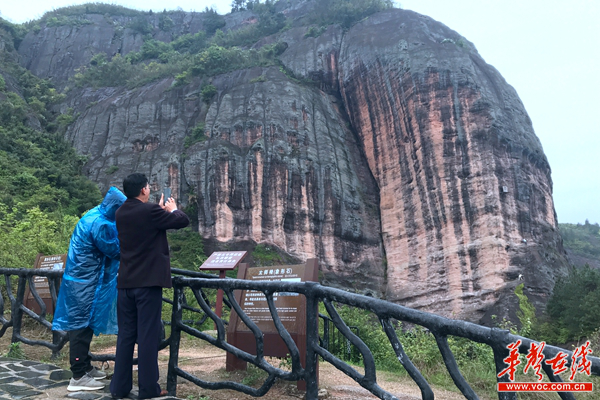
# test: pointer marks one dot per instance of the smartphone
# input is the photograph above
(166, 193)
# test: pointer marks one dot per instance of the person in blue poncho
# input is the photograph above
(86, 303)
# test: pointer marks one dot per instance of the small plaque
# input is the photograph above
(223, 260)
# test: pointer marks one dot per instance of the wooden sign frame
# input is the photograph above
(42, 287)
(222, 261)
(274, 345)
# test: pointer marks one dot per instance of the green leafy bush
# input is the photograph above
(141, 25)
(265, 255)
(582, 239)
(475, 360)
(93, 8)
(197, 135)
(187, 249)
(212, 21)
(207, 93)
(575, 302)
(315, 31)
(25, 232)
(165, 23)
(62, 20)
(345, 12)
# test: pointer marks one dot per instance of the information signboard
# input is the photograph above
(254, 303)
(42, 262)
(290, 307)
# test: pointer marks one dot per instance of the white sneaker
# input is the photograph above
(86, 382)
(97, 374)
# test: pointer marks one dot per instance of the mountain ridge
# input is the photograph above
(389, 149)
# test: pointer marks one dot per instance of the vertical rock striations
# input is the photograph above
(410, 168)
(276, 164)
(465, 188)
(280, 167)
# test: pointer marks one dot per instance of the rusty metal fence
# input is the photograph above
(317, 345)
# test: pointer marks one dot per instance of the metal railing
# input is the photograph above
(387, 313)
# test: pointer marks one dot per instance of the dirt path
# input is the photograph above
(207, 362)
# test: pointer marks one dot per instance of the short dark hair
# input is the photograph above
(133, 185)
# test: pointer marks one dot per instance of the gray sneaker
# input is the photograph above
(97, 374)
(86, 382)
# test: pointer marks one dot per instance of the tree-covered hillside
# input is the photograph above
(582, 243)
(42, 192)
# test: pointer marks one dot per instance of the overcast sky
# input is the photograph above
(546, 49)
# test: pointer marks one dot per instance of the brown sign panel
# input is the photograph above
(223, 260)
(290, 307)
(254, 303)
(54, 262)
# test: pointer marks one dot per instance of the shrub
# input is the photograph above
(265, 255)
(526, 312)
(15, 351)
(165, 23)
(212, 21)
(315, 31)
(208, 92)
(141, 25)
(345, 12)
(575, 302)
(197, 135)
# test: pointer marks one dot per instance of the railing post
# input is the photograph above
(500, 339)
(326, 334)
(17, 313)
(176, 316)
(312, 337)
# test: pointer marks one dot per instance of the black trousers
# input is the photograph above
(138, 315)
(79, 349)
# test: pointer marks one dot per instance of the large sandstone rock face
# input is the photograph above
(464, 184)
(410, 169)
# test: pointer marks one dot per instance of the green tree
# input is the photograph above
(26, 232)
(575, 302)
(345, 12)
(212, 21)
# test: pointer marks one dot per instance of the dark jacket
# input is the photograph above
(142, 228)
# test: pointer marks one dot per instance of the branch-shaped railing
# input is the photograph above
(388, 313)
(441, 328)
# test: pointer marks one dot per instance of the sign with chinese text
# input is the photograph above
(254, 303)
(223, 260)
(290, 307)
(42, 262)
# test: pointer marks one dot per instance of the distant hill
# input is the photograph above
(582, 243)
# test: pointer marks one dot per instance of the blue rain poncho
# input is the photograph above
(88, 292)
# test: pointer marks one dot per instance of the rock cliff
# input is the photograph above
(391, 152)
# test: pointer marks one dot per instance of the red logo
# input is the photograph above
(535, 357)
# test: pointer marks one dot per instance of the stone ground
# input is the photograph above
(26, 379)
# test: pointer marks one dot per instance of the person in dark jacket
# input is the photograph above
(145, 269)
(87, 297)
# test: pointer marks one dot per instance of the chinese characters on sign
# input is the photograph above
(535, 357)
(42, 262)
(254, 303)
(223, 260)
